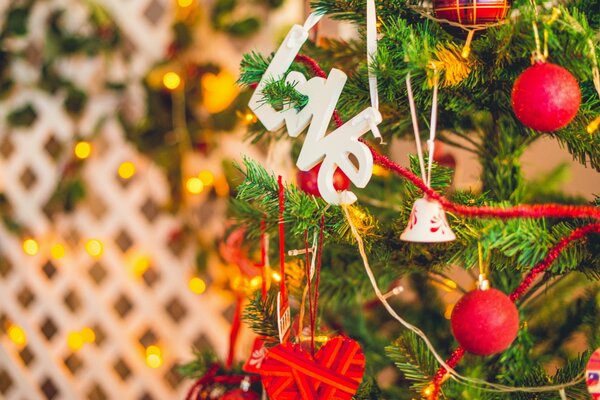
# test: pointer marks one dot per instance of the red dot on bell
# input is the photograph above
(485, 322)
(546, 97)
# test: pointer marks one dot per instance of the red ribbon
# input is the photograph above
(234, 333)
(263, 260)
(282, 287)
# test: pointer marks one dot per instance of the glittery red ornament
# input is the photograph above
(239, 394)
(471, 12)
(485, 322)
(307, 180)
(546, 97)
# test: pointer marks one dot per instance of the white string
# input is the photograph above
(433, 126)
(302, 35)
(482, 384)
(311, 21)
(372, 51)
(415, 124)
(563, 395)
(314, 255)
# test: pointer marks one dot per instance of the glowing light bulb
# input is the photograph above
(255, 282)
(428, 391)
(276, 276)
(171, 80)
(17, 335)
(126, 170)
(88, 335)
(197, 285)
(82, 150)
(94, 247)
(194, 185)
(153, 356)
(141, 264)
(206, 177)
(31, 247)
(450, 284)
(57, 251)
(75, 340)
(250, 118)
(448, 311)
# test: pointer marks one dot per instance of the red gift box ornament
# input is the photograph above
(290, 373)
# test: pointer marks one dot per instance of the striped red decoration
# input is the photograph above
(471, 12)
(290, 373)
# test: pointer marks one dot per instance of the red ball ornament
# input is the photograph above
(239, 394)
(546, 97)
(307, 180)
(485, 322)
(471, 12)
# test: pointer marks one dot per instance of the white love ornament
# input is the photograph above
(333, 149)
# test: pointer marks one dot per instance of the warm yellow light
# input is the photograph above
(185, 3)
(448, 311)
(222, 187)
(126, 170)
(152, 349)
(378, 170)
(83, 150)
(206, 177)
(31, 247)
(276, 276)
(141, 264)
(197, 285)
(428, 391)
(17, 335)
(75, 340)
(153, 356)
(218, 91)
(593, 126)
(194, 185)
(450, 284)
(236, 282)
(94, 247)
(171, 80)
(250, 118)
(88, 335)
(255, 282)
(57, 251)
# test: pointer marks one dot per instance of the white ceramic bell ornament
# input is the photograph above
(427, 223)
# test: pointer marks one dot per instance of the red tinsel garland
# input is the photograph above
(519, 211)
(552, 255)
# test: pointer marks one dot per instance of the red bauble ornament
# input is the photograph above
(239, 394)
(471, 12)
(546, 97)
(335, 372)
(485, 322)
(307, 180)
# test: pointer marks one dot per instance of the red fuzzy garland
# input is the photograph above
(520, 211)
(520, 290)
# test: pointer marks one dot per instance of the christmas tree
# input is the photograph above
(494, 77)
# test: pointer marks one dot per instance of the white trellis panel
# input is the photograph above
(52, 298)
